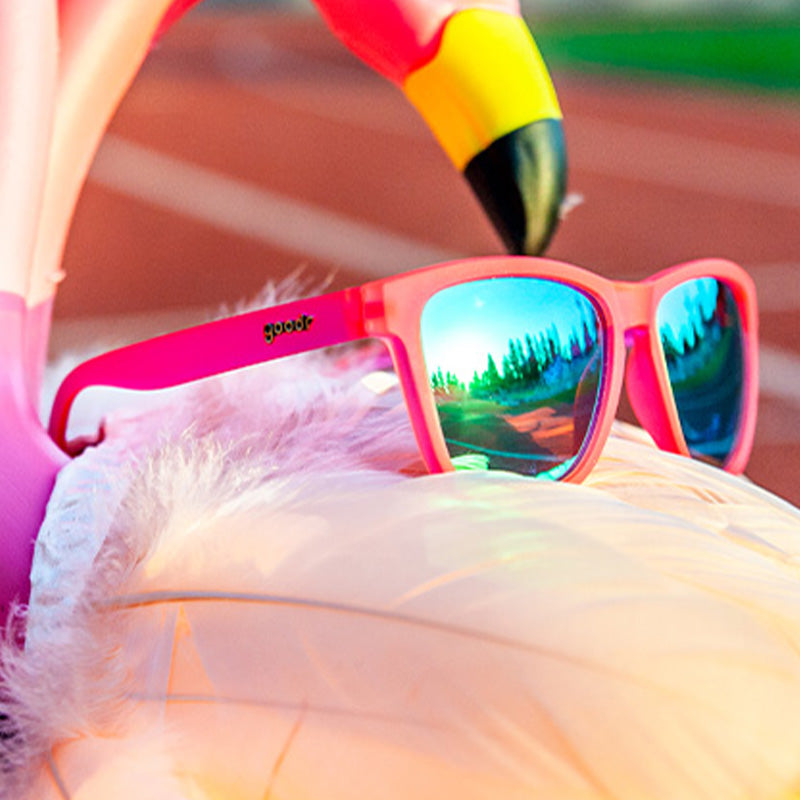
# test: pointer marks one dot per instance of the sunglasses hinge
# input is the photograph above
(373, 309)
(372, 313)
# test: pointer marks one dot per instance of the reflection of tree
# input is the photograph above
(526, 362)
(704, 361)
(704, 324)
(446, 382)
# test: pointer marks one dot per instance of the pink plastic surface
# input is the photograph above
(396, 36)
(27, 85)
(36, 340)
(29, 461)
(390, 309)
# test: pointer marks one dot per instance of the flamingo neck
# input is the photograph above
(29, 460)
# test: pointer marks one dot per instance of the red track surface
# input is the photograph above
(275, 108)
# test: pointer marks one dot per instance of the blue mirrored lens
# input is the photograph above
(701, 336)
(515, 367)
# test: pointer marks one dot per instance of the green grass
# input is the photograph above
(751, 52)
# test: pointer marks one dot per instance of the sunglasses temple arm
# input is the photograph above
(214, 348)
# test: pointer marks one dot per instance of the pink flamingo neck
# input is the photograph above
(28, 463)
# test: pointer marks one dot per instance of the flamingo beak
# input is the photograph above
(488, 98)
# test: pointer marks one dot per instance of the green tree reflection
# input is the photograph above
(530, 360)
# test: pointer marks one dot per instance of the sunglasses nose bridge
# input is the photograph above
(634, 308)
(633, 320)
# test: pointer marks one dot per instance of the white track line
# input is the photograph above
(664, 158)
(684, 162)
(249, 210)
(250, 60)
(780, 380)
(779, 374)
(778, 286)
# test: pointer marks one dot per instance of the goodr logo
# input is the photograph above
(274, 329)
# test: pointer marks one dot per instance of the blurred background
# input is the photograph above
(253, 144)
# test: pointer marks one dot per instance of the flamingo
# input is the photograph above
(240, 616)
(509, 146)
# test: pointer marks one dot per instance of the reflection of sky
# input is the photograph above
(463, 324)
(679, 311)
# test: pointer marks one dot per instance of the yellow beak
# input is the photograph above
(489, 100)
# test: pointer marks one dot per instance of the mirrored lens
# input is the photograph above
(701, 336)
(515, 365)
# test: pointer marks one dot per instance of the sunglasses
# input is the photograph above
(510, 363)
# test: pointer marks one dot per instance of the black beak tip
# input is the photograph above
(520, 179)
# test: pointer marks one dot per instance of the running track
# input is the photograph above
(251, 145)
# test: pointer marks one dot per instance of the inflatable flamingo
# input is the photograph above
(508, 143)
(264, 604)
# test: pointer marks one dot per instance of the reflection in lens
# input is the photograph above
(701, 336)
(515, 368)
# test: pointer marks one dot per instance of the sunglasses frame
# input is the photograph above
(390, 309)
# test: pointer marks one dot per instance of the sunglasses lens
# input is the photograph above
(701, 337)
(515, 368)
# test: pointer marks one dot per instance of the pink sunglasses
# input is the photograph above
(508, 362)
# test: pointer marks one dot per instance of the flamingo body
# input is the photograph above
(66, 67)
(232, 615)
